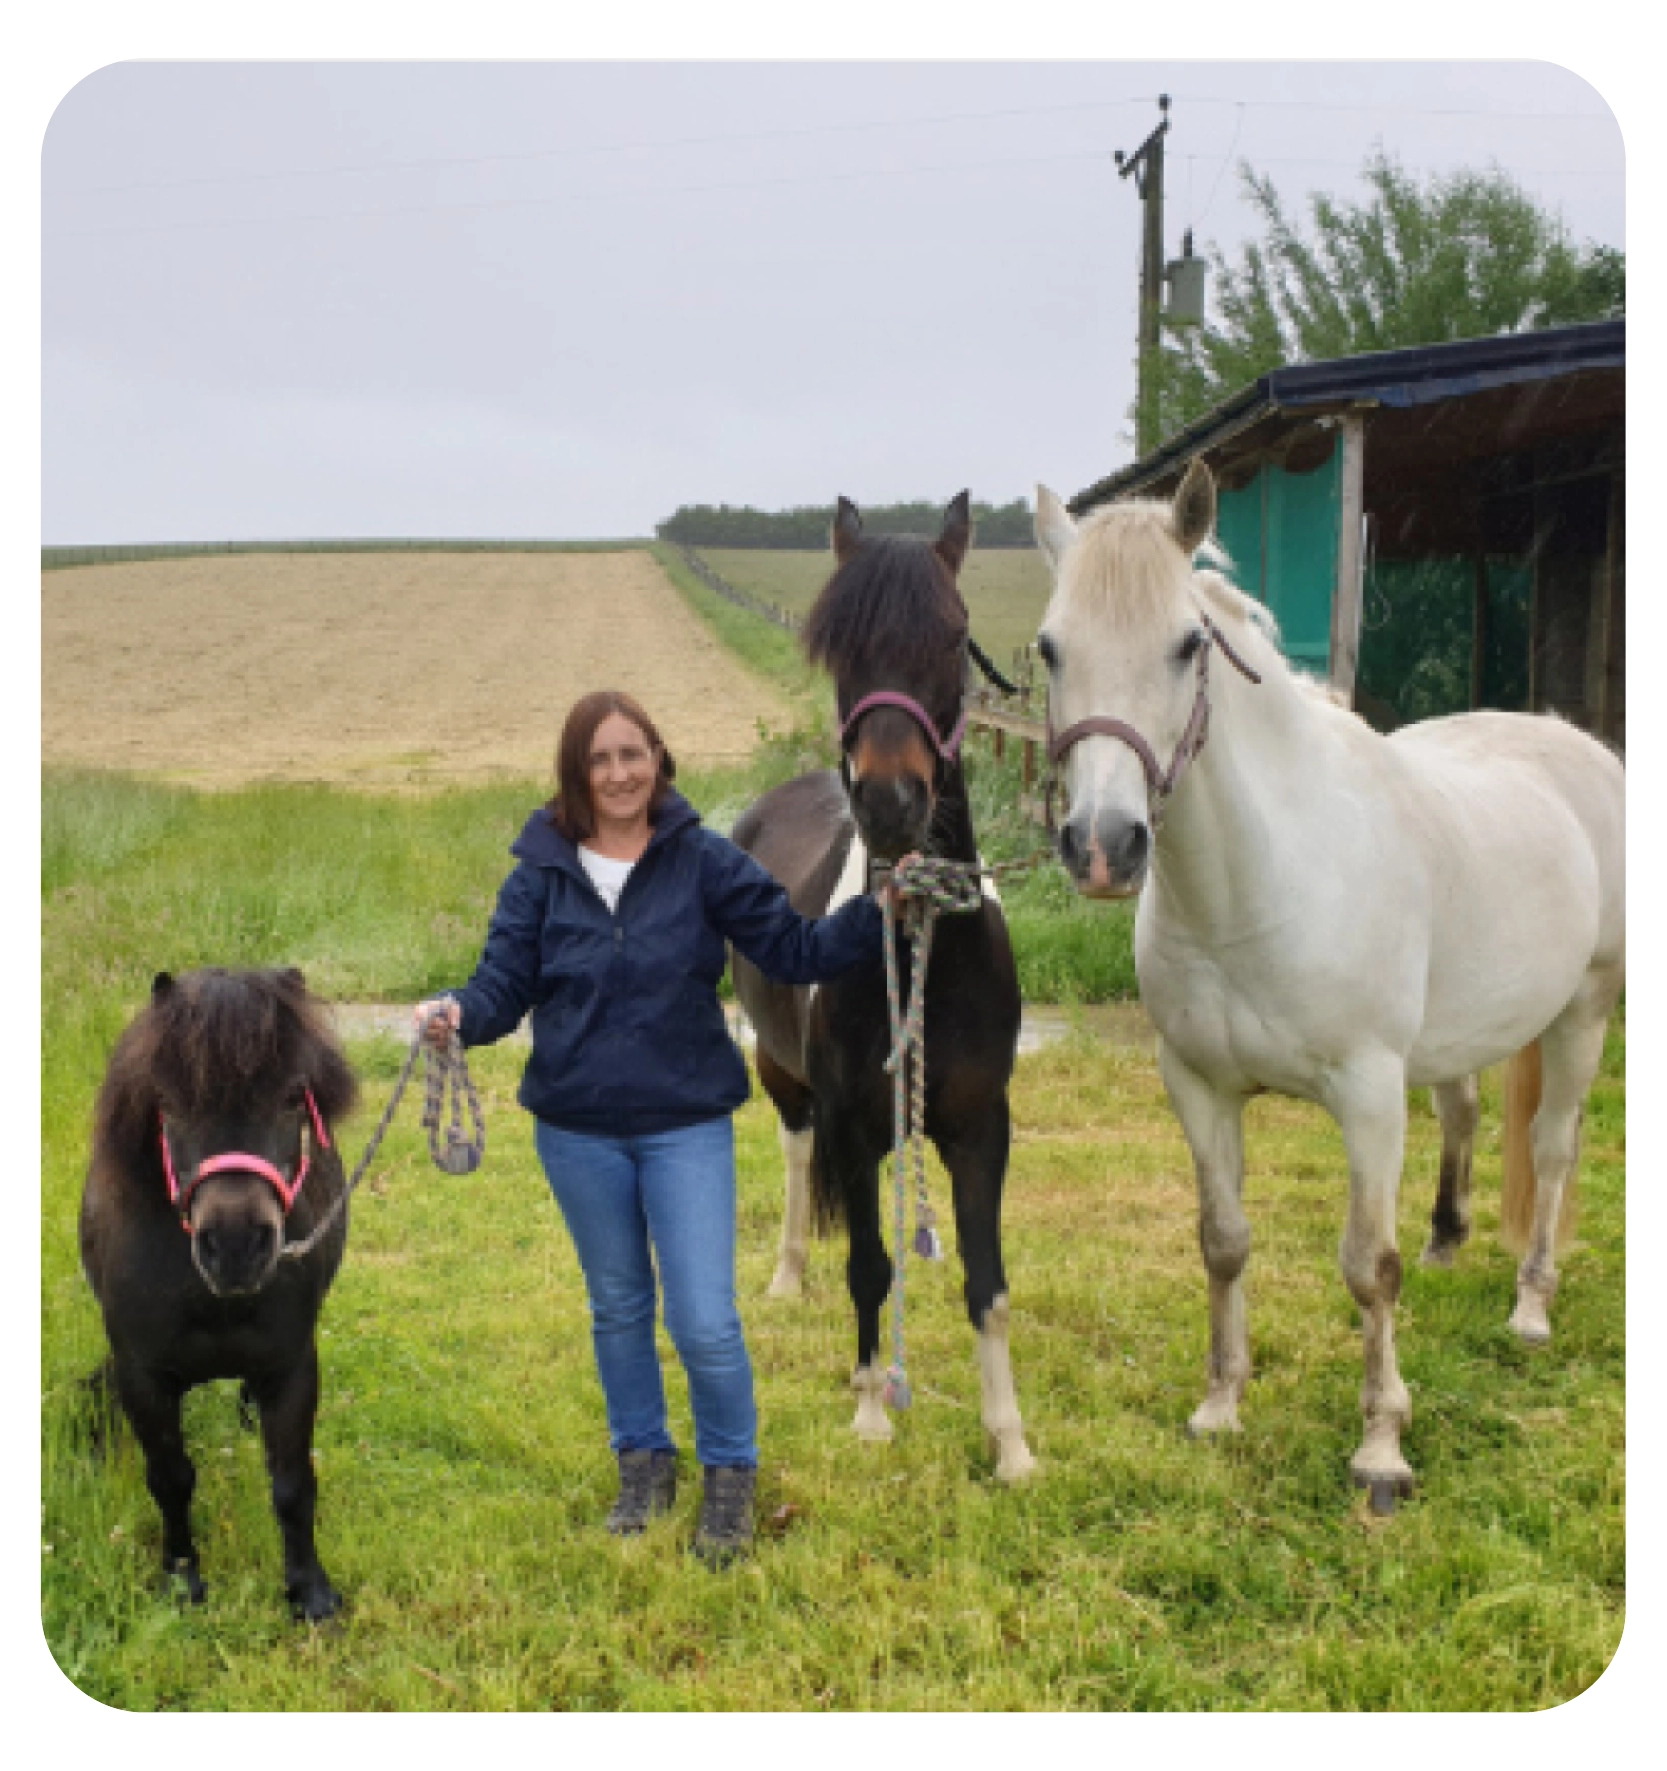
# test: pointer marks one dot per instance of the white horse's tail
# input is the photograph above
(1516, 1201)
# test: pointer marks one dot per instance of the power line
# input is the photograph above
(818, 129)
(164, 227)
(571, 197)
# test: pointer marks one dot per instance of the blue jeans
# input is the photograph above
(672, 1192)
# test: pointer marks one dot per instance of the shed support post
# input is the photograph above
(1351, 561)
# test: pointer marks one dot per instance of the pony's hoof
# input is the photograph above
(315, 1603)
(786, 1284)
(1530, 1323)
(872, 1432)
(1384, 1488)
(1438, 1254)
(185, 1582)
(1211, 1418)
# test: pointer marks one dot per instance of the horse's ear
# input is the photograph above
(951, 546)
(1193, 515)
(847, 530)
(161, 985)
(1054, 529)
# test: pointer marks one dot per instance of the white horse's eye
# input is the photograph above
(1188, 648)
(1047, 652)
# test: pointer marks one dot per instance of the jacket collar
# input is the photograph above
(541, 843)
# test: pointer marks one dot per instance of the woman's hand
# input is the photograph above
(438, 1031)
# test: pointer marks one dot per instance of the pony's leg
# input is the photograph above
(1214, 1127)
(794, 1106)
(977, 1164)
(152, 1404)
(1457, 1106)
(287, 1406)
(1571, 1049)
(847, 1166)
(1368, 1101)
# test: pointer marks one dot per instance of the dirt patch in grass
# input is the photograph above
(374, 670)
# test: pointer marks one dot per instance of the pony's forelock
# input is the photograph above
(211, 1039)
(892, 603)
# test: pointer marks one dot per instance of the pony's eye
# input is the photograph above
(1047, 651)
(1188, 648)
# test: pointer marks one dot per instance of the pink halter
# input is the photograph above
(241, 1162)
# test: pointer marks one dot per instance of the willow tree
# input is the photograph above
(1463, 255)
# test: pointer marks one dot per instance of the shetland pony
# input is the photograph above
(211, 1144)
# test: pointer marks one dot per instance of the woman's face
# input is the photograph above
(623, 769)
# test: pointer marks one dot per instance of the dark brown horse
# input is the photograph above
(891, 628)
(211, 1149)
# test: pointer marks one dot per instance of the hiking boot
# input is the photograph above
(725, 1528)
(647, 1488)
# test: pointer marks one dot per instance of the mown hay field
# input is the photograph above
(376, 670)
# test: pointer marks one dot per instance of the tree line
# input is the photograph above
(807, 526)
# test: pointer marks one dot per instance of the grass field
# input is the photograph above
(461, 1447)
(463, 1460)
(1006, 589)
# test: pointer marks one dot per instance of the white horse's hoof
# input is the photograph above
(871, 1431)
(1531, 1327)
(1214, 1415)
(786, 1284)
(1015, 1463)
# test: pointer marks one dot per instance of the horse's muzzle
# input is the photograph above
(1106, 857)
(236, 1233)
(893, 813)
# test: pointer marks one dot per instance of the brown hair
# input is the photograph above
(572, 809)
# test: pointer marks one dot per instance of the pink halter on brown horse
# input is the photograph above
(213, 1121)
(891, 627)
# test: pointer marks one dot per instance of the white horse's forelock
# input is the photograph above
(1124, 575)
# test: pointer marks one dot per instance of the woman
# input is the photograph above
(611, 930)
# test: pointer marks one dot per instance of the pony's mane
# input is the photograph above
(213, 1041)
(892, 604)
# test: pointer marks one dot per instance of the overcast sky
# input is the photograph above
(559, 299)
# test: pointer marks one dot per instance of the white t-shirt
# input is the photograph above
(607, 875)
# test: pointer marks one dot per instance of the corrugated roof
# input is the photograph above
(1418, 376)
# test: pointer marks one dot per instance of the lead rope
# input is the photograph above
(933, 886)
(445, 1069)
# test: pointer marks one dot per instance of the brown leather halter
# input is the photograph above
(1160, 782)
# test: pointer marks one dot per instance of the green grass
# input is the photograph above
(462, 1455)
(1006, 589)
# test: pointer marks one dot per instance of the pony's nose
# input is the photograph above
(236, 1257)
(892, 812)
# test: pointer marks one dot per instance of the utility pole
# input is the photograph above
(1146, 163)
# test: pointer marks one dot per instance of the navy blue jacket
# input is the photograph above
(628, 1033)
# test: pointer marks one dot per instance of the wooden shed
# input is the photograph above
(1435, 529)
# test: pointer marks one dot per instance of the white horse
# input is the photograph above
(1328, 913)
